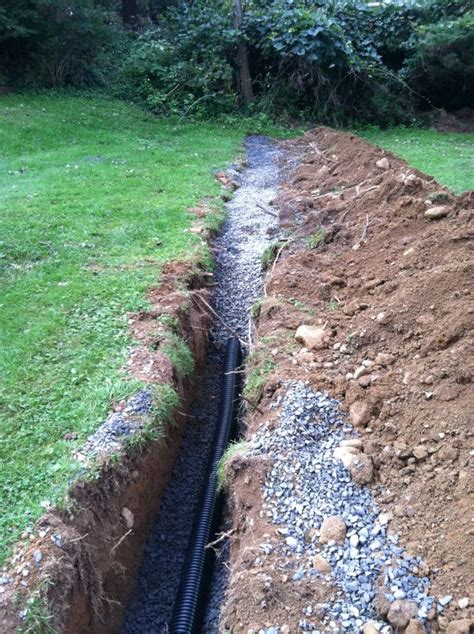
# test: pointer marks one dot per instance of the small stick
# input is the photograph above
(317, 151)
(120, 541)
(234, 372)
(278, 255)
(266, 210)
(346, 189)
(250, 403)
(366, 226)
(77, 539)
(369, 189)
(226, 326)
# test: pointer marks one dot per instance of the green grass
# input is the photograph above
(270, 253)
(94, 198)
(234, 448)
(180, 355)
(447, 156)
(317, 239)
(263, 366)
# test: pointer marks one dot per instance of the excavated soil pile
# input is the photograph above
(379, 264)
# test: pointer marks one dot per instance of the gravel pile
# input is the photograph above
(307, 485)
(246, 233)
(120, 425)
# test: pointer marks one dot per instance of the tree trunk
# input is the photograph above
(129, 11)
(245, 81)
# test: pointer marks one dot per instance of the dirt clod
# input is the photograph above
(333, 528)
(462, 626)
(401, 612)
(362, 469)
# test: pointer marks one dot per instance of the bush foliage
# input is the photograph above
(51, 43)
(337, 61)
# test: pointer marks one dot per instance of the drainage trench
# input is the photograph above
(248, 230)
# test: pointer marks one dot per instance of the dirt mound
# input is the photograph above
(380, 258)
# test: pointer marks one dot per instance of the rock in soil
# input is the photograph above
(402, 301)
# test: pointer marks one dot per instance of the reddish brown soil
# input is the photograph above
(382, 278)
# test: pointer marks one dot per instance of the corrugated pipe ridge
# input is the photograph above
(186, 605)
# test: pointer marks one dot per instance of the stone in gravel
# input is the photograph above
(370, 628)
(359, 413)
(415, 627)
(313, 337)
(127, 516)
(401, 612)
(463, 603)
(333, 528)
(384, 518)
(292, 542)
(383, 163)
(420, 452)
(305, 357)
(310, 535)
(435, 213)
(462, 626)
(352, 442)
(321, 564)
(346, 455)
(382, 604)
(362, 469)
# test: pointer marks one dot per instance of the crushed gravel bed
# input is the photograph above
(119, 425)
(246, 232)
(307, 483)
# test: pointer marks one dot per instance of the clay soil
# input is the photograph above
(392, 288)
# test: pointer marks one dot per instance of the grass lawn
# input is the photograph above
(448, 156)
(84, 183)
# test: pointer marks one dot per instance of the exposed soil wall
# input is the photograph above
(379, 263)
(90, 554)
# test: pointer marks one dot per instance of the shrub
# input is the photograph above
(184, 66)
(441, 67)
(50, 43)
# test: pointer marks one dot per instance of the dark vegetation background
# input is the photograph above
(340, 62)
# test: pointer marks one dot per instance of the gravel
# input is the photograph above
(119, 426)
(307, 484)
(246, 233)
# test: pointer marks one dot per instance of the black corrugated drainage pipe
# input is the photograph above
(186, 606)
